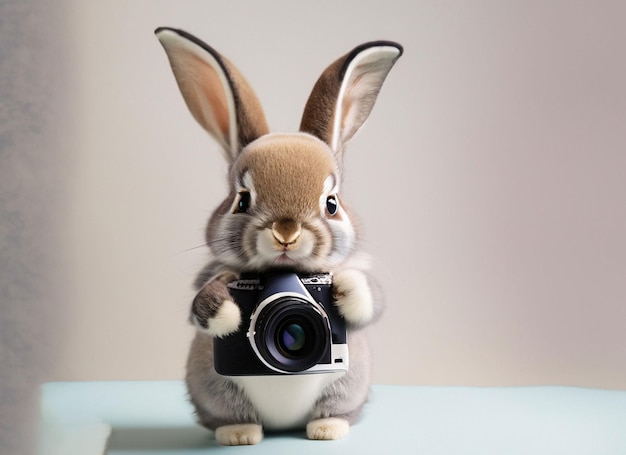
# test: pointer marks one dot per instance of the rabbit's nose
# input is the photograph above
(286, 231)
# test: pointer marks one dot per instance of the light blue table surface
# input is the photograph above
(154, 417)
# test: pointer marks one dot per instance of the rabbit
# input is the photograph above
(283, 210)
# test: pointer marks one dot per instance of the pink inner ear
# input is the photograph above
(217, 99)
(338, 137)
(359, 90)
(204, 94)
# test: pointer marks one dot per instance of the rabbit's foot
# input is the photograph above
(327, 429)
(353, 296)
(239, 435)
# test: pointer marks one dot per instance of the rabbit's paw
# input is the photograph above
(214, 312)
(327, 429)
(239, 435)
(226, 321)
(353, 296)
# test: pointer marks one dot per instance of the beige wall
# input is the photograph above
(490, 180)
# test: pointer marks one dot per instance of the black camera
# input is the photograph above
(290, 325)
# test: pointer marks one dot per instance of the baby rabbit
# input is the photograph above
(283, 211)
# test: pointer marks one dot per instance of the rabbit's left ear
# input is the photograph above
(217, 95)
(345, 93)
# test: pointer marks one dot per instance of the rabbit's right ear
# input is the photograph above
(345, 93)
(217, 95)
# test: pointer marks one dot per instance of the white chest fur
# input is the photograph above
(285, 402)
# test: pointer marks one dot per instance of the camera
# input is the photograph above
(290, 326)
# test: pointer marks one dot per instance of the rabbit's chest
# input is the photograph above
(285, 402)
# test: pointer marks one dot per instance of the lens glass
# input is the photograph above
(292, 338)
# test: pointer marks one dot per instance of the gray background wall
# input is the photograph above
(490, 182)
(34, 159)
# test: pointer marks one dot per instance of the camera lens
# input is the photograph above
(292, 335)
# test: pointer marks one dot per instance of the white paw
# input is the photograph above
(239, 435)
(226, 320)
(353, 296)
(327, 429)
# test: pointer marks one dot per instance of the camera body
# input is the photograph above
(290, 326)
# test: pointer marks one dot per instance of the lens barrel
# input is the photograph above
(291, 334)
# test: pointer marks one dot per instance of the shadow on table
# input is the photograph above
(170, 438)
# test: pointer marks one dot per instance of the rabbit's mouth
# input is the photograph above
(284, 260)
(271, 251)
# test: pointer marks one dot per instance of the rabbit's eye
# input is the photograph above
(243, 206)
(332, 205)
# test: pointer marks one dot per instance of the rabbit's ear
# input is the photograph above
(217, 95)
(345, 93)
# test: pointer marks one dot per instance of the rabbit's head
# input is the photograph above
(284, 207)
